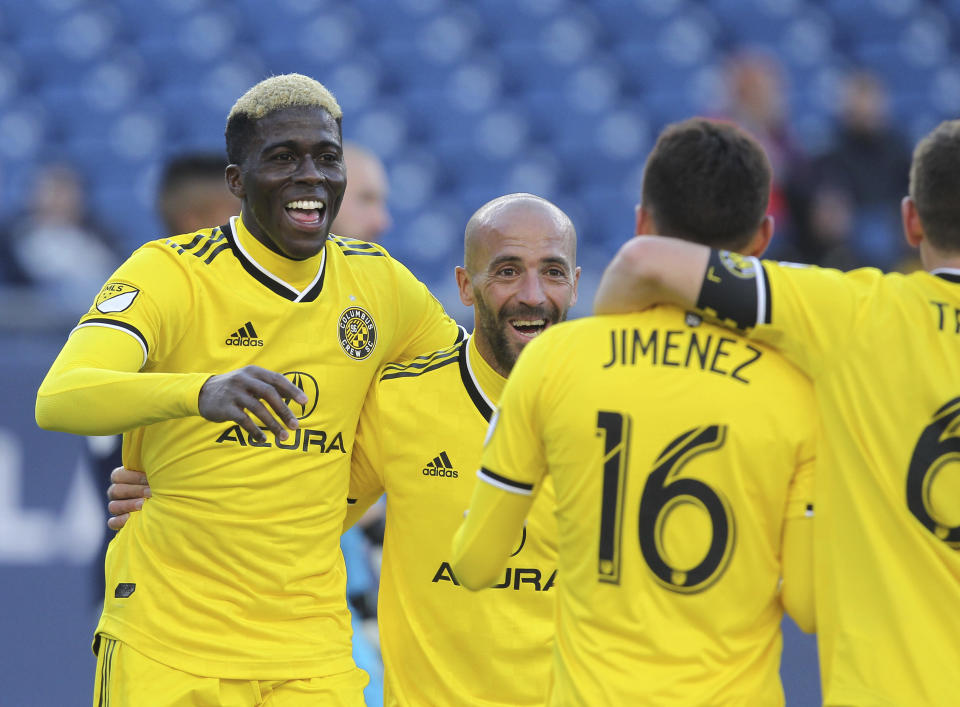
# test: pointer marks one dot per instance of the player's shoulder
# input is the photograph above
(815, 275)
(196, 250)
(362, 253)
(422, 367)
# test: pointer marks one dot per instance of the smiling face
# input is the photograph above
(520, 275)
(291, 180)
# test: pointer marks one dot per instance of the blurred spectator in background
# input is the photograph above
(755, 100)
(852, 217)
(193, 193)
(363, 214)
(55, 246)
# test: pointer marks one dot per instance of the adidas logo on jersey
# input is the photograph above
(244, 336)
(440, 466)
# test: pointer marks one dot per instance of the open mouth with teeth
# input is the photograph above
(306, 212)
(528, 328)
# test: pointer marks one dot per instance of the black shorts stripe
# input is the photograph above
(505, 481)
(107, 646)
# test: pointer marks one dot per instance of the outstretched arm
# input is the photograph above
(95, 387)
(651, 270)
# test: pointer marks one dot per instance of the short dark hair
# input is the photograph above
(708, 182)
(179, 175)
(935, 185)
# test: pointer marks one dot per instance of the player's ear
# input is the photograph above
(645, 225)
(235, 181)
(761, 238)
(576, 281)
(912, 228)
(465, 285)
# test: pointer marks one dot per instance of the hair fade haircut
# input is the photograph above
(273, 94)
(935, 185)
(707, 181)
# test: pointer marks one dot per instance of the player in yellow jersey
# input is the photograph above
(883, 351)
(228, 589)
(681, 457)
(420, 436)
(419, 440)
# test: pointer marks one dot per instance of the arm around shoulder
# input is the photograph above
(649, 270)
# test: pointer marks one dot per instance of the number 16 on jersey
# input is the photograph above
(664, 491)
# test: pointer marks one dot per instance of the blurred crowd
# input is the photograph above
(837, 205)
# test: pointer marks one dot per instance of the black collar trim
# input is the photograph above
(948, 274)
(267, 279)
(470, 384)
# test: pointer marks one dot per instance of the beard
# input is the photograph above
(494, 327)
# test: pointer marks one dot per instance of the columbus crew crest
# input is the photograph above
(357, 332)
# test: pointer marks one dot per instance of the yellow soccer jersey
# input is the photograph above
(884, 355)
(677, 451)
(420, 438)
(233, 567)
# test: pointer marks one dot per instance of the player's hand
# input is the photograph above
(232, 395)
(127, 491)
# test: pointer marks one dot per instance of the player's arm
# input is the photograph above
(95, 387)
(796, 551)
(649, 270)
(488, 534)
(423, 325)
(796, 588)
(808, 313)
(511, 472)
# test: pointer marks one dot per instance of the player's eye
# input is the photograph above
(508, 271)
(556, 272)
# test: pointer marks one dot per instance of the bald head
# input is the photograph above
(520, 274)
(517, 217)
(363, 213)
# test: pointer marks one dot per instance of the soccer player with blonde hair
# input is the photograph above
(419, 439)
(681, 457)
(883, 351)
(236, 360)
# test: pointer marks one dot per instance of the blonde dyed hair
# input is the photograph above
(273, 94)
(285, 91)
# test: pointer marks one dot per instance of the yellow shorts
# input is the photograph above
(126, 678)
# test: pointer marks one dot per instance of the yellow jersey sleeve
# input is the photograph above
(107, 353)
(514, 456)
(814, 312)
(99, 366)
(512, 466)
(488, 535)
(366, 462)
(422, 323)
